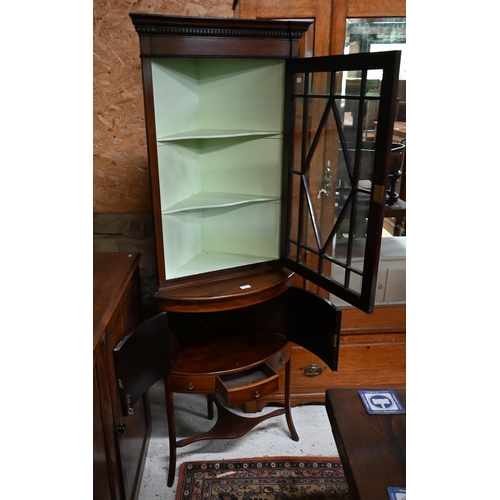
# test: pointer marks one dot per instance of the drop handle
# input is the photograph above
(312, 370)
(257, 394)
(121, 429)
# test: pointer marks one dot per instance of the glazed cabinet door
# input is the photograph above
(339, 116)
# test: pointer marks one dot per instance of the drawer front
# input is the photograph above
(364, 366)
(186, 384)
(236, 394)
(278, 360)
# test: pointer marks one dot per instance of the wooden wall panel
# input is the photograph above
(380, 8)
(319, 10)
(121, 178)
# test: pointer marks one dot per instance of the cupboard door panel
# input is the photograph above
(132, 443)
(133, 446)
(105, 466)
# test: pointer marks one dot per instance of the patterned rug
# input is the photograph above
(283, 478)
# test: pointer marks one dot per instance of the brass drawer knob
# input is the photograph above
(312, 370)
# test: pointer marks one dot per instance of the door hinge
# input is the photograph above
(379, 193)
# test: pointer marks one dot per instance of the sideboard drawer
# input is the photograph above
(366, 365)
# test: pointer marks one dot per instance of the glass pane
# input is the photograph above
(373, 83)
(316, 108)
(297, 133)
(351, 83)
(295, 205)
(370, 119)
(347, 278)
(299, 84)
(320, 83)
(349, 113)
(309, 259)
(339, 274)
(364, 164)
(323, 178)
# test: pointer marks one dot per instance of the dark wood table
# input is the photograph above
(372, 447)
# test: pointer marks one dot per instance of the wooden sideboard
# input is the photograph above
(120, 443)
(372, 354)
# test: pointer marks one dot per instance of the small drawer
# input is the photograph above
(195, 384)
(278, 360)
(249, 385)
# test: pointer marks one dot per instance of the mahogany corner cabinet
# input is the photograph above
(260, 169)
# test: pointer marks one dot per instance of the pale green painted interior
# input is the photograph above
(240, 169)
(225, 94)
(219, 125)
(175, 89)
(179, 172)
(199, 241)
(243, 166)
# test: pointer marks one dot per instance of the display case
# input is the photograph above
(248, 153)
